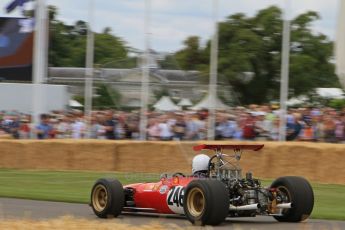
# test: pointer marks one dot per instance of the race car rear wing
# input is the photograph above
(234, 147)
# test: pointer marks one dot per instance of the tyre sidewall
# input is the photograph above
(301, 195)
(216, 202)
(115, 198)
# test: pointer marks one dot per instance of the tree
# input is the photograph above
(190, 57)
(310, 57)
(169, 62)
(109, 48)
(251, 46)
(68, 45)
(107, 97)
(161, 93)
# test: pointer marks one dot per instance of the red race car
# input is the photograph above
(216, 190)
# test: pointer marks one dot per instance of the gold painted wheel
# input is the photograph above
(99, 198)
(299, 192)
(196, 202)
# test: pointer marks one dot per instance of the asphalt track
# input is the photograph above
(38, 210)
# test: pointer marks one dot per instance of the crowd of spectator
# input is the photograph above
(240, 123)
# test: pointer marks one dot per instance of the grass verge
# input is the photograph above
(75, 186)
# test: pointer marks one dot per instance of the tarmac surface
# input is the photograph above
(41, 210)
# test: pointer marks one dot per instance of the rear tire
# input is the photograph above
(206, 202)
(300, 193)
(107, 198)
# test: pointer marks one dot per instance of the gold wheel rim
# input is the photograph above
(196, 202)
(99, 198)
(286, 192)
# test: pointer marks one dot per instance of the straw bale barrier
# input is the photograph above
(319, 162)
(5, 136)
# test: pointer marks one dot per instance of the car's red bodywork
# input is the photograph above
(166, 196)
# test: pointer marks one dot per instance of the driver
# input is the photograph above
(200, 165)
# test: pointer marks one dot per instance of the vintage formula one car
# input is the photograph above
(210, 195)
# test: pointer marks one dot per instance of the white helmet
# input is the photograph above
(200, 163)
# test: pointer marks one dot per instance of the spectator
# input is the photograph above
(202, 123)
(329, 126)
(249, 127)
(317, 127)
(97, 130)
(179, 128)
(192, 127)
(14, 126)
(262, 126)
(44, 129)
(274, 131)
(302, 124)
(340, 128)
(225, 127)
(109, 126)
(165, 132)
(64, 128)
(153, 129)
(25, 129)
(78, 128)
(294, 129)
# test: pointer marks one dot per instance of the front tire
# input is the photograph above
(206, 202)
(300, 193)
(107, 198)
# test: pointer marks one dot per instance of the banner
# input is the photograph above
(16, 49)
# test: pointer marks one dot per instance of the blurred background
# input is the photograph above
(167, 72)
(172, 70)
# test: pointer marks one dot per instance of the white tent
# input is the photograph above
(185, 102)
(206, 102)
(340, 45)
(297, 100)
(165, 104)
(74, 103)
(334, 93)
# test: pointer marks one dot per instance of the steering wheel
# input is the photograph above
(178, 174)
(212, 164)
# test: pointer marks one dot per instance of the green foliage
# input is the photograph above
(107, 97)
(108, 48)
(248, 46)
(68, 45)
(253, 45)
(79, 99)
(337, 104)
(169, 62)
(160, 93)
(192, 56)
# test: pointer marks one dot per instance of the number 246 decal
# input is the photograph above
(175, 196)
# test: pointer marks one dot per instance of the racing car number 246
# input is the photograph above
(175, 199)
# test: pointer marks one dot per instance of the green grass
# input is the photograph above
(67, 186)
(75, 186)
(329, 201)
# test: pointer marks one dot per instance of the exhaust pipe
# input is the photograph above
(284, 205)
(244, 207)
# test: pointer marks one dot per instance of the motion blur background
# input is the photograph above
(163, 70)
(167, 70)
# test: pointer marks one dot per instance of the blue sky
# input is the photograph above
(174, 20)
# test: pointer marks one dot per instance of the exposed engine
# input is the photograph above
(247, 196)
